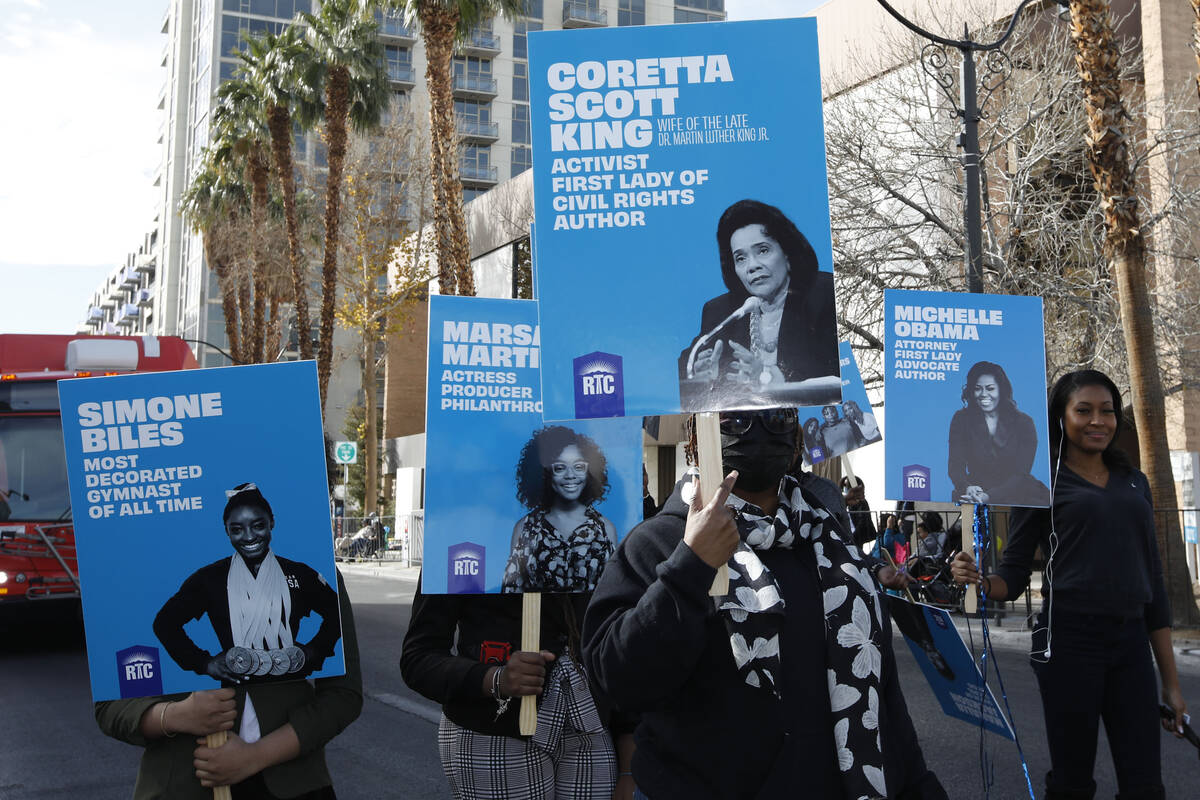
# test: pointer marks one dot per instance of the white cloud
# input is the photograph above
(769, 9)
(80, 149)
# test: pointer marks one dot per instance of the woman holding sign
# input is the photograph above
(562, 543)
(1105, 605)
(776, 323)
(993, 444)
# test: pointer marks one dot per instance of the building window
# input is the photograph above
(470, 193)
(520, 81)
(399, 63)
(699, 10)
(269, 8)
(472, 67)
(533, 9)
(233, 28)
(522, 159)
(476, 158)
(520, 43)
(631, 12)
(473, 111)
(520, 124)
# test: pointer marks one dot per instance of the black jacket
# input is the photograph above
(655, 646)
(482, 629)
(204, 592)
(807, 335)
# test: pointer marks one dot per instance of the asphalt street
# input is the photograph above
(51, 747)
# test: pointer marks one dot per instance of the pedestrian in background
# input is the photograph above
(1105, 606)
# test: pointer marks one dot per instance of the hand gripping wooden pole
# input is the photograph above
(531, 635)
(971, 595)
(708, 453)
(215, 740)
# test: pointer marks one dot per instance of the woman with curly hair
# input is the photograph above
(992, 444)
(561, 545)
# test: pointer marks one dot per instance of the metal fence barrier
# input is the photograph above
(397, 538)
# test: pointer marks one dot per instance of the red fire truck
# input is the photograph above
(37, 539)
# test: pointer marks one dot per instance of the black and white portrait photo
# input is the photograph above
(562, 544)
(255, 601)
(992, 444)
(772, 337)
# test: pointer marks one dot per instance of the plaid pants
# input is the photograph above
(570, 757)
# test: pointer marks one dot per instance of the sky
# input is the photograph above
(76, 194)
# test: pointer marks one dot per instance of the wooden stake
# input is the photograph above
(892, 561)
(531, 635)
(708, 453)
(849, 470)
(215, 740)
(971, 597)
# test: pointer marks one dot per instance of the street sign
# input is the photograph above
(345, 452)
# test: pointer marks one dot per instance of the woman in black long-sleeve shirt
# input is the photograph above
(1105, 598)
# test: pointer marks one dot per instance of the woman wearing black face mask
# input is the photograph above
(745, 695)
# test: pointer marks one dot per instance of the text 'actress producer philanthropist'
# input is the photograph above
(775, 327)
(255, 602)
(562, 543)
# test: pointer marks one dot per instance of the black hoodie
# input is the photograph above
(655, 646)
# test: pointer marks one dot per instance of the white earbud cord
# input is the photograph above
(1048, 589)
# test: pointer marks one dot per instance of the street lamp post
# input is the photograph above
(969, 108)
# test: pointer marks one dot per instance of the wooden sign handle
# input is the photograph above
(215, 740)
(849, 470)
(708, 453)
(971, 598)
(531, 635)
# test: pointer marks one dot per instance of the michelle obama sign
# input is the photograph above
(684, 255)
(201, 510)
(513, 504)
(971, 368)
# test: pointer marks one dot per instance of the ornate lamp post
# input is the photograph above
(969, 107)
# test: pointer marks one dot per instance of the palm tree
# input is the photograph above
(343, 40)
(443, 24)
(1107, 147)
(283, 72)
(1196, 40)
(213, 197)
(240, 137)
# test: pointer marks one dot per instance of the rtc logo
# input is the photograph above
(916, 482)
(137, 671)
(465, 568)
(599, 386)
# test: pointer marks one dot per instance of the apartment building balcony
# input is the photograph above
(392, 29)
(128, 315)
(130, 278)
(475, 86)
(144, 298)
(95, 317)
(402, 74)
(115, 296)
(478, 131)
(145, 263)
(480, 43)
(583, 14)
(476, 174)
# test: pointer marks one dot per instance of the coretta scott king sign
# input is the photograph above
(201, 510)
(684, 256)
(965, 376)
(513, 504)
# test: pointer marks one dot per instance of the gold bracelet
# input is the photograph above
(162, 720)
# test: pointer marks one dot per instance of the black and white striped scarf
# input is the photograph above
(754, 608)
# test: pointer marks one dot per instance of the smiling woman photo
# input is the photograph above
(992, 444)
(561, 545)
(255, 601)
(776, 323)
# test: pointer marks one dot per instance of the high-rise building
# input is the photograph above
(177, 293)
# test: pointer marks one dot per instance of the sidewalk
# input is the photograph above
(387, 568)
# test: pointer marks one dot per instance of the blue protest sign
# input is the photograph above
(837, 428)
(947, 664)
(201, 510)
(965, 382)
(513, 504)
(683, 244)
